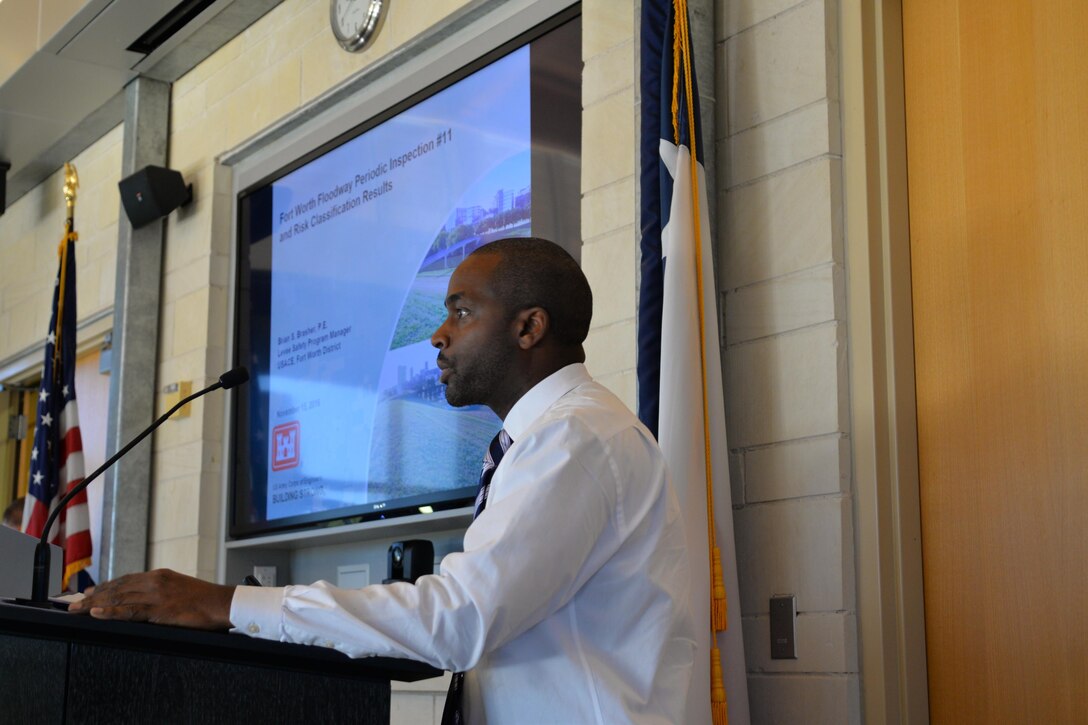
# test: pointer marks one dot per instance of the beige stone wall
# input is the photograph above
(609, 182)
(782, 274)
(30, 232)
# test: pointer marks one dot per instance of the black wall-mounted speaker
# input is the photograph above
(152, 193)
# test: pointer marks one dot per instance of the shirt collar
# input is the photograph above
(541, 396)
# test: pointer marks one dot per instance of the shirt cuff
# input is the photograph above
(258, 612)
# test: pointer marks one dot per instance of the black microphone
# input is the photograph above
(39, 596)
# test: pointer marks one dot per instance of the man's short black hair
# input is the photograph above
(535, 272)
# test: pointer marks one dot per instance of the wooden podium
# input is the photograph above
(57, 667)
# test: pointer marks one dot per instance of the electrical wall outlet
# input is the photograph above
(353, 576)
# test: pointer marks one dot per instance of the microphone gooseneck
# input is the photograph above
(40, 592)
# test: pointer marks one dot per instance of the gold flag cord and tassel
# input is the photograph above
(681, 59)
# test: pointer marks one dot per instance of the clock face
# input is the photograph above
(356, 22)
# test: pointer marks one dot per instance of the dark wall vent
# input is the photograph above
(169, 24)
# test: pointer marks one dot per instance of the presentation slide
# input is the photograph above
(364, 240)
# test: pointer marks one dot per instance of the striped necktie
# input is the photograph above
(494, 455)
(452, 714)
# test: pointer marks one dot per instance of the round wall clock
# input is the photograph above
(356, 22)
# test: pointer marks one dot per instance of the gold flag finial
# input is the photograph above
(71, 183)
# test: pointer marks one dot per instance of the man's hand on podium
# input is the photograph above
(161, 597)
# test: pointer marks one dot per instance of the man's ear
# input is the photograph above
(532, 324)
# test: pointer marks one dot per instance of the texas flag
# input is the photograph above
(679, 366)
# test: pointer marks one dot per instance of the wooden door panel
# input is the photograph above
(997, 121)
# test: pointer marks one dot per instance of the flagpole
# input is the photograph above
(71, 186)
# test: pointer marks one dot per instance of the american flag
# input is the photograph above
(56, 461)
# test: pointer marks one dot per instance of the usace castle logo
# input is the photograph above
(286, 445)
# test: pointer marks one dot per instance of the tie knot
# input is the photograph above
(499, 445)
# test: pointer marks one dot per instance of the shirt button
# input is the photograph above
(253, 628)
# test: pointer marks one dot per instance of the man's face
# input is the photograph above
(475, 343)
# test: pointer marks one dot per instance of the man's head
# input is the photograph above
(13, 514)
(517, 310)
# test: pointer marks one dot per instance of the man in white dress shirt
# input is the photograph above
(570, 602)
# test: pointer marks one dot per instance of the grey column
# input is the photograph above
(135, 341)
